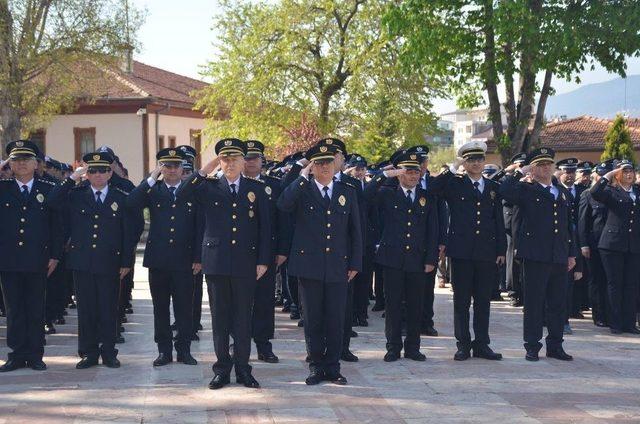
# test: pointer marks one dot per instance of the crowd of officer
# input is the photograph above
(321, 233)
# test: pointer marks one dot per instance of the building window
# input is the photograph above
(469, 129)
(161, 142)
(39, 138)
(195, 137)
(85, 141)
(172, 141)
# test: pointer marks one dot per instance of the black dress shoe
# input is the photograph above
(38, 365)
(301, 323)
(515, 302)
(338, 379)
(347, 356)
(633, 330)
(559, 354)
(12, 365)
(461, 355)
(378, 307)
(49, 328)
(294, 315)
(198, 327)
(416, 356)
(363, 322)
(316, 377)
(354, 334)
(429, 331)
(119, 339)
(65, 313)
(72, 305)
(163, 359)
(86, 363)
(111, 362)
(123, 319)
(128, 310)
(286, 308)
(174, 327)
(486, 352)
(219, 381)
(61, 321)
(195, 337)
(531, 356)
(600, 324)
(308, 359)
(616, 331)
(121, 329)
(391, 356)
(186, 358)
(247, 380)
(268, 357)
(578, 315)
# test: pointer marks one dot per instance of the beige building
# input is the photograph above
(140, 112)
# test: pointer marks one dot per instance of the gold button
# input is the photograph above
(328, 237)
(629, 229)
(555, 205)
(95, 236)
(555, 231)
(93, 245)
(234, 229)
(310, 207)
(328, 212)
(301, 252)
(22, 220)
(478, 222)
(329, 225)
(477, 231)
(409, 211)
(631, 221)
(20, 243)
(171, 230)
(24, 208)
(407, 247)
(158, 205)
(555, 221)
(408, 224)
(173, 206)
(233, 216)
(95, 225)
(21, 231)
(555, 214)
(478, 213)
(233, 242)
(478, 204)
(234, 205)
(95, 216)
(327, 250)
(170, 240)
(173, 217)
(408, 235)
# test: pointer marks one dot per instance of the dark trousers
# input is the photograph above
(622, 281)
(263, 319)
(545, 288)
(598, 288)
(513, 271)
(24, 294)
(348, 321)
(408, 287)
(167, 286)
(231, 301)
(569, 303)
(363, 284)
(428, 299)
(97, 296)
(197, 302)
(292, 287)
(324, 304)
(472, 279)
(379, 284)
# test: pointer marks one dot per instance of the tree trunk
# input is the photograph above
(323, 112)
(534, 140)
(11, 122)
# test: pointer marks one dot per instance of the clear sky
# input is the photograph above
(178, 36)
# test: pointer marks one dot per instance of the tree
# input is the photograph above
(476, 45)
(617, 142)
(325, 59)
(50, 49)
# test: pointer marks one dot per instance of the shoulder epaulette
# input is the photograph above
(346, 183)
(257, 181)
(121, 191)
(7, 179)
(211, 178)
(46, 181)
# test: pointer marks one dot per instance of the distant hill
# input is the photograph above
(604, 99)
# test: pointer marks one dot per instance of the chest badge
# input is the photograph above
(423, 201)
(267, 190)
(342, 200)
(114, 206)
(251, 213)
(40, 197)
(251, 196)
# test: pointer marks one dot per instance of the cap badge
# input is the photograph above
(323, 149)
(228, 143)
(251, 213)
(19, 143)
(423, 201)
(543, 151)
(40, 197)
(172, 152)
(267, 190)
(413, 157)
(96, 157)
(250, 144)
(328, 142)
(114, 206)
(342, 200)
(251, 196)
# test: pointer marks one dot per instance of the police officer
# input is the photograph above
(236, 252)
(567, 177)
(326, 254)
(619, 244)
(263, 320)
(101, 254)
(32, 246)
(172, 254)
(476, 244)
(407, 252)
(546, 244)
(592, 216)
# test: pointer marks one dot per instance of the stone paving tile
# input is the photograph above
(602, 385)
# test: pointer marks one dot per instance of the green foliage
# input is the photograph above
(617, 142)
(441, 156)
(330, 60)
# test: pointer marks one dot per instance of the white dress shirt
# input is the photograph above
(103, 193)
(321, 187)
(28, 184)
(480, 183)
(413, 192)
(554, 190)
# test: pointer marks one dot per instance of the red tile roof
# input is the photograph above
(584, 133)
(149, 82)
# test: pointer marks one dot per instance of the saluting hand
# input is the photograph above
(500, 260)
(196, 268)
(78, 173)
(280, 259)
(571, 263)
(51, 266)
(306, 170)
(586, 252)
(260, 270)
(156, 172)
(351, 275)
(211, 166)
(390, 173)
(429, 268)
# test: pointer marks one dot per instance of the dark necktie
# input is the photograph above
(99, 198)
(233, 190)
(409, 201)
(25, 191)
(172, 193)
(326, 199)
(549, 190)
(476, 186)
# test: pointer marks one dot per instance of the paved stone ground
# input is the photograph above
(602, 385)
